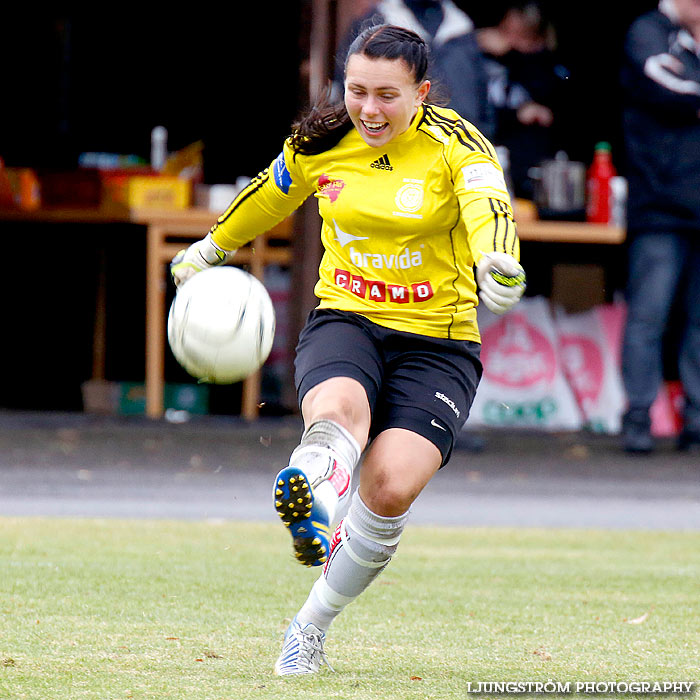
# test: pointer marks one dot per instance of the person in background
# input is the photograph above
(411, 198)
(459, 71)
(527, 86)
(661, 82)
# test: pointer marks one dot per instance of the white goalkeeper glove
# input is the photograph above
(501, 280)
(199, 256)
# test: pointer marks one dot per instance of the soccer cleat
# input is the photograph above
(305, 517)
(302, 650)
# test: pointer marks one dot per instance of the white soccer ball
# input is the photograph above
(221, 325)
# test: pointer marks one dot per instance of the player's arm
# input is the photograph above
(654, 77)
(496, 249)
(269, 198)
(492, 235)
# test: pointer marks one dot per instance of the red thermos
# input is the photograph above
(598, 185)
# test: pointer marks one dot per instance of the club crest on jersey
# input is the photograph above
(409, 198)
(283, 179)
(330, 187)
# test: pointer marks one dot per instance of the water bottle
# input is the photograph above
(618, 201)
(159, 147)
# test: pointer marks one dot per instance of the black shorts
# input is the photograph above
(416, 382)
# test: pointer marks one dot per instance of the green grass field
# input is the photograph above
(113, 609)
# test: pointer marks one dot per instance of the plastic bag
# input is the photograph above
(523, 384)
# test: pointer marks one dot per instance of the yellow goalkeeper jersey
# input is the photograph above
(403, 224)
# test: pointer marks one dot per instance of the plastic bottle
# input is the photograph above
(159, 147)
(618, 201)
(600, 173)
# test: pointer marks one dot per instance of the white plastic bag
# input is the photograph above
(589, 347)
(523, 384)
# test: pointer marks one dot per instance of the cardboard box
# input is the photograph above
(25, 186)
(145, 191)
(73, 188)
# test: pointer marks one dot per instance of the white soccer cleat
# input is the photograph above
(302, 650)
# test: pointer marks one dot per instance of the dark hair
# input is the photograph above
(326, 122)
(392, 42)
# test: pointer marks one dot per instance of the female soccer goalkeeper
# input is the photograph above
(412, 199)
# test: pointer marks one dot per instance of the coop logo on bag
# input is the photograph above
(515, 353)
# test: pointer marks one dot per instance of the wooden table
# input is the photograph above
(570, 232)
(169, 231)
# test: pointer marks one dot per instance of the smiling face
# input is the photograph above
(381, 97)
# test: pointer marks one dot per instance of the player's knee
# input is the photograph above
(342, 411)
(391, 496)
(340, 402)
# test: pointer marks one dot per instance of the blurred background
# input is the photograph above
(232, 78)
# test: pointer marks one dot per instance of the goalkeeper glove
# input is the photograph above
(501, 280)
(199, 256)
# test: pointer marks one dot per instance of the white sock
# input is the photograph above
(323, 445)
(361, 548)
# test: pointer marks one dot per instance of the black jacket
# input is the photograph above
(661, 83)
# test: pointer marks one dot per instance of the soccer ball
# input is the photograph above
(221, 325)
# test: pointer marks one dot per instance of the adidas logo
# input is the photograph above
(382, 163)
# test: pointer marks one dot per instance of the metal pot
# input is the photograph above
(560, 184)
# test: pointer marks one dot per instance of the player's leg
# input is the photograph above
(399, 463)
(413, 442)
(395, 470)
(316, 482)
(337, 376)
(655, 265)
(338, 417)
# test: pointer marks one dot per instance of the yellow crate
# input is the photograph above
(148, 192)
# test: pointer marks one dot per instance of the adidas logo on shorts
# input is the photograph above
(382, 163)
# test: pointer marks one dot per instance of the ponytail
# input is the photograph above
(321, 128)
